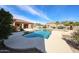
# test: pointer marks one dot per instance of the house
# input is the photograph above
(21, 24)
(51, 25)
(54, 25)
(37, 25)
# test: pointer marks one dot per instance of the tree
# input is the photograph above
(57, 22)
(6, 20)
(76, 23)
(66, 23)
(71, 25)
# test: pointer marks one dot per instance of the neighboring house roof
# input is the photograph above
(54, 24)
(51, 24)
(22, 21)
(60, 24)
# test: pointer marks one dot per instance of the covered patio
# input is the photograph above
(21, 24)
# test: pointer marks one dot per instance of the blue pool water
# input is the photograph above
(43, 34)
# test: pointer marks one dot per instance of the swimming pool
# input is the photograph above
(41, 33)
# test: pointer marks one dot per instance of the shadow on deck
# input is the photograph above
(4, 49)
(72, 43)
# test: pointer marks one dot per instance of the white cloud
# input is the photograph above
(19, 16)
(34, 12)
(11, 10)
(5, 7)
(23, 18)
(26, 19)
(29, 9)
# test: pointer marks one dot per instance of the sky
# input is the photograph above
(44, 13)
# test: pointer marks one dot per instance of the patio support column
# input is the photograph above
(23, 26)
(29, 26)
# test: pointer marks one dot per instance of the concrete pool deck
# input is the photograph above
(18, 41)
(54, 44)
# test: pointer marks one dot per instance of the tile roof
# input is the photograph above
(21, 21)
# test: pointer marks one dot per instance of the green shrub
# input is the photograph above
(25, 33)
(75, 36)
(60, 27)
